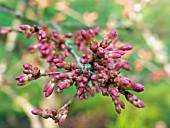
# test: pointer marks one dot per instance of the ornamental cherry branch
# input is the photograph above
(97, 70)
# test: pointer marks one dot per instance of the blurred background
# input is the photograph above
(145, 24)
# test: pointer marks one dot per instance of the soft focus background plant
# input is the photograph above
(144, 24)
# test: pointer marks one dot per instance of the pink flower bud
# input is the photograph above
(140, 104)
(114, 41)
(25, 78)
(94, 77)
(37, 111)
(81, 97)
(78, 71)
(84, 56)
(44, 27)
(92, 92)
(84, 61)
(54, 112)
(115, 92)
(91, 32)
(62, 120)
(85, 79)
(114, 98)
(57, 60)
(96, 30)
(43, 46)
(81, 85)
(79, 91)
(79, 79)
(85, 35)
(60, 65)
(86, 96)
(100, 50)
(104, 43)
(137, 87)
(46, 87)
(119, 52)
(105, 92)
(116, 103)
(26, 71)
(28, 35)
(50, 57)
(112, 34)
(94, 46)
(55, 34)
(21, 83)
(27, 66)
(97, 89)
(118, 110)
(49, 89)
(47, 51)
(126, 47)
(61, 85)
(114, 55)
(127, 67)
(106, 56)
(118, 66)
(20, 76)
(24, 28)
(122, 105)
(63, 75)
(69, 35)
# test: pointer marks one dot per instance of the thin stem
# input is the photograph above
(70, 49)
(77, 58)
(18, 14)
(21, 15)
(70, 101)
(49, 73)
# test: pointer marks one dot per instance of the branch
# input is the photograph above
(18, 14)
(77, 58)
(50, 73)
(70, 101)
(69, 46)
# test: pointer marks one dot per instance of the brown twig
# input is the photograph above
(50, 73)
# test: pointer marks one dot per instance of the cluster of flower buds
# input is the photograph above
(81, 43)
(106, 61)
(125, 83)
(134, 99)
(66, 65)
(49, 43)
(97, 70)
(30, 73)
(82, 86)
(59, 116)
(74, 74)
